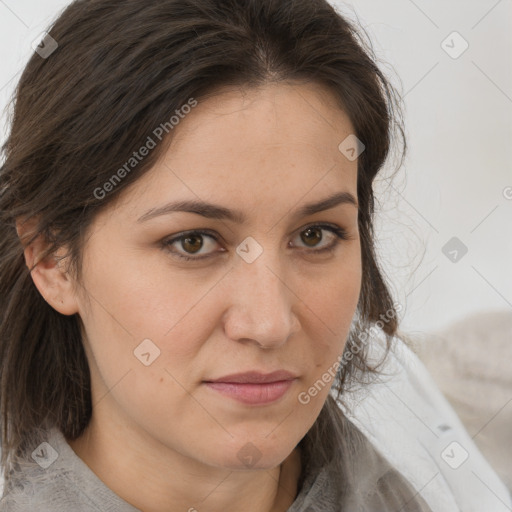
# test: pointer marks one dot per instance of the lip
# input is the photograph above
(255, 377)
(254, 388)
(253, 394)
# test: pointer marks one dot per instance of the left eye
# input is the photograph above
(192, 241)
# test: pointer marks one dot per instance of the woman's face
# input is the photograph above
(260, 292)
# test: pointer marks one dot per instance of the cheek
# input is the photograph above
(334, 306)
(144, 342)
(132, 303)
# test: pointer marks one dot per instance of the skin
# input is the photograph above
(159, 437)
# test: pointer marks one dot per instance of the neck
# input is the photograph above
(173, 482)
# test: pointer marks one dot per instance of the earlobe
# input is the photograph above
(48, 273)
(54, 284)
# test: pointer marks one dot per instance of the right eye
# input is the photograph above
(189, 241)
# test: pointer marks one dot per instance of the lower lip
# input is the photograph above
(254, 394)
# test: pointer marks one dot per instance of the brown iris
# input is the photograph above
(196, 244)
(306, 237)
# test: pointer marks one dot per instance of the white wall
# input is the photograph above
(458, 122)
(459, 127)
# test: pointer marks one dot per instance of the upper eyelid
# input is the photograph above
(339, 233)
(217, 237)
(212, 232)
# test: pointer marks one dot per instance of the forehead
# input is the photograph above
(255, 147)
(270, 115)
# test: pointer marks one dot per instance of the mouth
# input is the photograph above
(256, 394)
(254, 388)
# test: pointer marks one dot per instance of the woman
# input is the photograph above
(171, 328)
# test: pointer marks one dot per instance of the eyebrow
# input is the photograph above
(213, 211)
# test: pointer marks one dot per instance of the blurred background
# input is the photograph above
(444, 223)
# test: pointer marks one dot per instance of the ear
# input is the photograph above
(50, 274)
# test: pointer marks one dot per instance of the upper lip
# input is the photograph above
(255, 377)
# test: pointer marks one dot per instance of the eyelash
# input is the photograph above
(339, 232)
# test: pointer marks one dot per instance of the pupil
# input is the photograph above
(314, 238)
(194, 249)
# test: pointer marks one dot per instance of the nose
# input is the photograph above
(261, 305)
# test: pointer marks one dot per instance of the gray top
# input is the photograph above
(68, 484)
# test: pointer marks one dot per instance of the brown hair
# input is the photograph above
(120, 70)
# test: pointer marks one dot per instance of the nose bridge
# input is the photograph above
(261, 305)
(265, 284)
